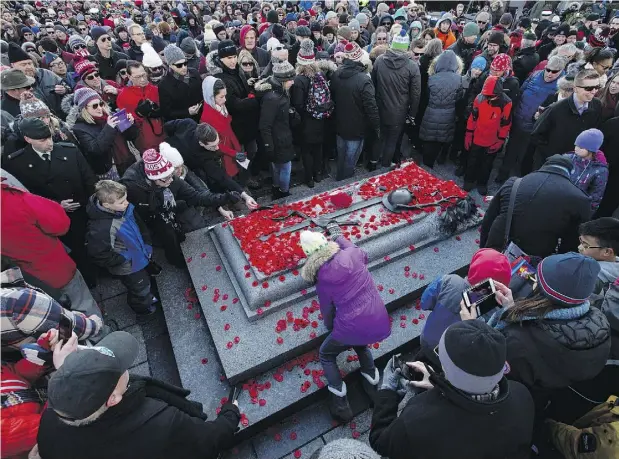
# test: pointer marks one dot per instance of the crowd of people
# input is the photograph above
(124, 123)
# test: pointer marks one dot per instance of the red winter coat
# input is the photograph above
(490, 119)
(30, 229)
(20, 422)
(229, 145)
(151, 129)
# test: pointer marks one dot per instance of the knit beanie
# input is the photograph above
(400, 42)
(525, 22)
(47, 59)
(345, 32)
(479, 63)
(76, 40)
(278, 31)
(343, 18)
(188, 46)
(496, 38)
(506, 19)
(84, 96)
(290, 17)
(303, 32)
(315, 26)
(416, 25)
(529, 36)
(590, 140)
(353, 52)
(306, 52)
(326, 30)
(17, 54)
(345, 448)
(31, 107)
(156, 166)
(217, 29)
(150, 59)
(501, 63)
(567, 279)
(312, 241)
(173, 54)
(354, 25)
(303, 22)
(283, 71)
(171, 154)
(60, 28)
(470, 30)
(362, 18)
(34, 128)
(121, 64)
(272, 44)
(489, 264)
(272, 17)
(97, 32)
(472, 355)
(84, 67)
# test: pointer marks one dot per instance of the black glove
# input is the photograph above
(146, 108)
(334, 230)
(234, 197)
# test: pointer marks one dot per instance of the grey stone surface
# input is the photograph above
(358, 426)
(143, 369)
(242, 451)
(136, 331)
(117, 308)
(108, 287)
(306, 450)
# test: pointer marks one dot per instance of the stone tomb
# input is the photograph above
(246, 273)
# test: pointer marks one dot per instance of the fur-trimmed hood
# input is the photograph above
(447, 61)
(312, 265)
(213, 66)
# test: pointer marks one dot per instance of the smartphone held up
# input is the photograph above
(481, 297)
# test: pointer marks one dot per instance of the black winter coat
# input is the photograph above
(10, 105)
(397, 82)
(106, 66)
(135, 52)
(139, 427)
(176, 96)
(444, 422)
(610, 202)
(275, 121)
(548, 208)
(243, 109)
(465, 52)
(353, 93)
(524, 62)
(557, 128)
(66, 176)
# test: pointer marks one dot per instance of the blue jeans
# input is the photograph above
(281, 175)
(330, 349)
(348, 152)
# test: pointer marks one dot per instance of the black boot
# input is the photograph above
(370, 384)
(442, 157)
(283, 194)
(310, 183)
(275, 193)
(318, 178)
(372, 165)
(338, 404)
(468, 186)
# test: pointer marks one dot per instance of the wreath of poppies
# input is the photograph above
(282, 252)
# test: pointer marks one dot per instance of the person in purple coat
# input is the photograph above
(352, 310)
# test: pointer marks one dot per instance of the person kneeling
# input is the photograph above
(351, 307)
(484, 414)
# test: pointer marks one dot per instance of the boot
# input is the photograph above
(338, 404)
(372, 165)
(283, 194)
(468, 186)
(310, 183)
(318, 178)
(275, 193)
(370, 384)
(442, 157)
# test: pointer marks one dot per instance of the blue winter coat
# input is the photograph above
(591, 176)
(115, 240)
(444, 89)
(533, 91)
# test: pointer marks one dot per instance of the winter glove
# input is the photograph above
(233, 197)
(468, 140)
(334, 230)
(392, 377)
(145, 108)
(495, 147)
(240, 156)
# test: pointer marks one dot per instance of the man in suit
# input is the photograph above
(57, 171)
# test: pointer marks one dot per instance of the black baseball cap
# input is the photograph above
(88, 377)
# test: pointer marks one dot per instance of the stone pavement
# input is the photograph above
(294, 437)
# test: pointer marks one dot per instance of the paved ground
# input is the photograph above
(156, 358)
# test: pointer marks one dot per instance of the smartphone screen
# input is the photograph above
(65, 328)
(235, 391)
(481, 297)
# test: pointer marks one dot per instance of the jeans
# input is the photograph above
(330, 349)
(348, 152)
(391, 142)
(139, 296)
(281, 175)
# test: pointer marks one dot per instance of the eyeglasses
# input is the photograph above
(587, 246)
(247, 64)
(96, 105)
(180, 65)
(551, 70)
(604, 67)
(104, 39)
(589, 88)
(92, 76)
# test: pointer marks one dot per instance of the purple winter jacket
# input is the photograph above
(590, 176)
(346, 290)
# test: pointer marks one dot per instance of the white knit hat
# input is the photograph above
(171, 154)
(312, 241)
(272, 43)
(209, 35)
(151, 59)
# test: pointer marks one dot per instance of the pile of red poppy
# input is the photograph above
(281, 252)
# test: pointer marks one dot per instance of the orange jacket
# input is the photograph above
(448, 38)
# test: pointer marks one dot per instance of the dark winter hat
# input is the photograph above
(272, 17)
(14, 79)
(16, 54)
(31, 107)
(25, 29)
(473, 355)
(60, 28)
(283, 71)
(343, 18)
(563, 29)
(525, 22)
(303, 32)
(315, 26)
(226, 48)
(172, 54)
(188, 45)
(470, 30)
(590, 140)
(34, 128)
(278, 31)
(506, 19)
(530, 36)
(120, 65)
(496, 38)
(290, 17)
(593, 17)
(158, 44)
(306, 53)
(327, 30)
(87, 378)
(567, 279)
(560, 161)
(97, 32)
(572, 32)
(322, 56)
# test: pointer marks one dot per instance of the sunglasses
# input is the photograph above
(123, 72)
(82, 29)
(92, 76)
(418, 54)
(79, 47)
(589, 88)
(96, 105)
(482, 22)
(551, 71)
(104, 39)
(181, 65)
(247, 64)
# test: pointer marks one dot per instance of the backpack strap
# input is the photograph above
(510, 210)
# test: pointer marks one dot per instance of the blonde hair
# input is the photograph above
(88, 117)
(109, 191)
